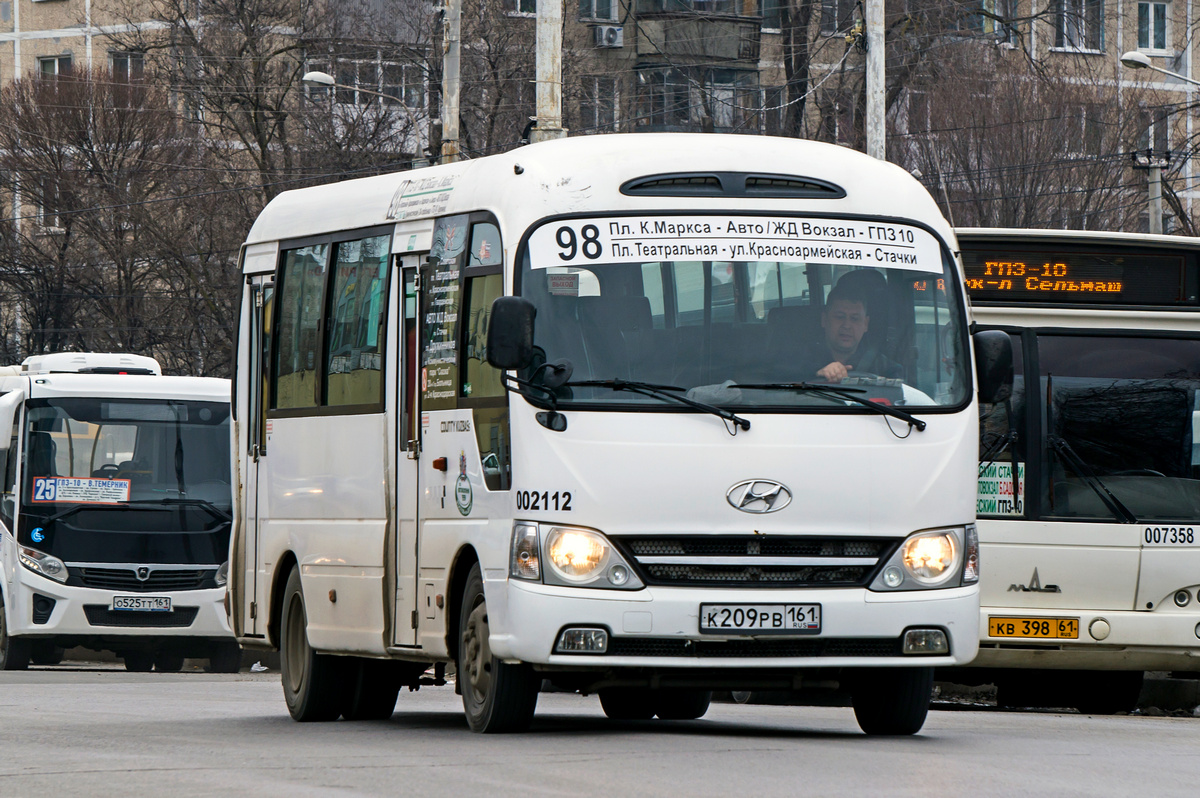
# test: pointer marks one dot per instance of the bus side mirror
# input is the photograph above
(510, 333)
(993, 365)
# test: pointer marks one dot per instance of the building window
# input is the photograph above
(732, 100)
(54, 66)
(998, 16)
(604, 10)
(1152, 26)
(837, 16)
(918, 112)
(772, 14)
(49, 203)
(358, 78)
(597, 105)
(1079, 24)
(521, 6)
(1155, 130)
(126, 67)
(663, 98)
(692, 6)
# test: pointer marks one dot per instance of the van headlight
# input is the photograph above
(928, 560)
(42, 563)
(568, 555)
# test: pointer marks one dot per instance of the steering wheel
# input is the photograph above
(108, 470)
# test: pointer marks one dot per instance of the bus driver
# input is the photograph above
(845, 320)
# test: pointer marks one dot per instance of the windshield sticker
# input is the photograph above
(640, 239)
(563, 284)
(996, 490)
(82, 490)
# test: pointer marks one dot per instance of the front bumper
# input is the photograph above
(1163, 639)
(658, 627)
(81, 613)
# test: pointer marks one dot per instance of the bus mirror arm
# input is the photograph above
(993, 365)
(510, 333)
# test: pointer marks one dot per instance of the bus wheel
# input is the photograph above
(14, 651)
(497, 696)
(892, 700)
(312, 684)
(677, 704)
(373, 687)
(1107, 692)
(139, 661)
(627, 703)
(46, 653)
(168, 663)
(225, 658)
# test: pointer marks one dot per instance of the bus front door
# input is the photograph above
(262, 292)
(408, 451)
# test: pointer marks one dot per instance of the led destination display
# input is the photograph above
(1063, 276)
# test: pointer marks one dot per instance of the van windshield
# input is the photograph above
(625, 298)
(116, 480)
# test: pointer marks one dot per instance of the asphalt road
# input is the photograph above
(76, 731)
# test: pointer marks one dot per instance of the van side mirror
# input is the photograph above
(993, 365)
(510, 333)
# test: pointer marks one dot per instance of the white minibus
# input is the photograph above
(642, 416)
(1089, 475)
(115, 513)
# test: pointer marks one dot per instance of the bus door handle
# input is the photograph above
(441, 464)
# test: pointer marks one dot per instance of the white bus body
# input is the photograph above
(1093, 561)
(115, 513)
(422, 514)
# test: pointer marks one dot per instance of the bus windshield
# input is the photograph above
(743, 331)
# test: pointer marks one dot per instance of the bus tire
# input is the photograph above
(627, 703)
(1108, 692)
(372, 688)
(681, 704)
(497, 696)
(167, 662)
(312, 684)
(892, 701)
(139, 661)
(225, 658)
(14, 651)
(46, 653)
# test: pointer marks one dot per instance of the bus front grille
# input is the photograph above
(750, 649)
(756, 560)
(158, 580)
(102, 615)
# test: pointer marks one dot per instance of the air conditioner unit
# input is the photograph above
(609, 36)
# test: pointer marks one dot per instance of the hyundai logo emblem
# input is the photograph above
(143, 573)
(759, 496)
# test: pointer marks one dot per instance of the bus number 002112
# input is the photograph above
(544, 500)
(1179, 535)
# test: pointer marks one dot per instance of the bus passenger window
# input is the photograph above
(352, 361)
(301, 300)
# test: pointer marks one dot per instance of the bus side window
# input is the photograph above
(301, 300)
(353, 367)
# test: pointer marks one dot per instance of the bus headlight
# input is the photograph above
(41, 563)
(222, 577)
(567, 555)
(931, 560)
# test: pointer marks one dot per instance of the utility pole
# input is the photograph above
(549, 71)
(876, 127)
(451, 50)
(1153, 162)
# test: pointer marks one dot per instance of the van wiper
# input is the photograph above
(1114, 505)
(662, 392)
(201, 503)
(836, 392)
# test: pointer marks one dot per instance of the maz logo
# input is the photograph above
(1035, 586)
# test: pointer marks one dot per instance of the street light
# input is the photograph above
(1153, 162)
(323, 80)
(1135, 60)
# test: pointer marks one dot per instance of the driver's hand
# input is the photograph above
(835, 372)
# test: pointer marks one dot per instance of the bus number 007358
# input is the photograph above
(544, 500)
(1179, 535)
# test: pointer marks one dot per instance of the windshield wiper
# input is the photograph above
(1114, 505)
(662, 392)
(201, 503)
(836, 392)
